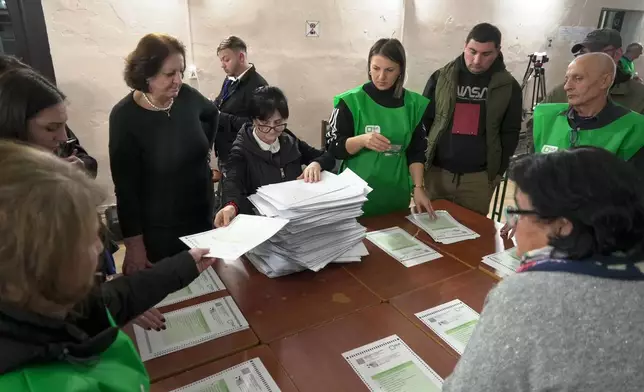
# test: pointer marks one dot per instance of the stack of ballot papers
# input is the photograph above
(503, 263)
(444, 229)
(322, 226)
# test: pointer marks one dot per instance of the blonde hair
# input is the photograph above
(47, 215)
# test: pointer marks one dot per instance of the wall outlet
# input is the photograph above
(191, 72)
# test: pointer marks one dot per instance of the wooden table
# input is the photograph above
(191, 357)
(262, 352)
(278, 307)
(471, 287)
(388, 278)
(314, 360)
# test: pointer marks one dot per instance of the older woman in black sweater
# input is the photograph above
(160, 139)
(266, 152)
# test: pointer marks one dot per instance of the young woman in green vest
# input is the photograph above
(58, 331)
(377, 130)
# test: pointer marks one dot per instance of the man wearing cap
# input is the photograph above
(625, 91)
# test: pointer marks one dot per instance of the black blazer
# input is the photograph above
(236, 103)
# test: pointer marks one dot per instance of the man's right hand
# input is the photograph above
(135, 261)
(225, 216)
(375, 142)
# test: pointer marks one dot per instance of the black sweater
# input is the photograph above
(160, 163)
(28, 339)
(341, 126)
(250, 167)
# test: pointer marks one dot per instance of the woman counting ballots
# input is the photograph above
(377, 130)
(58, 330)
(266, 152)
(572, 317)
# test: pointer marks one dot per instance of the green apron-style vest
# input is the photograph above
(118, 369)
(551, 132)
(627, 65)
(387, 173)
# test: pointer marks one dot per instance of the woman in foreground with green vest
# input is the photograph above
(377, 130)
(56, 333)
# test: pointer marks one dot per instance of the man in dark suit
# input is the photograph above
(241, 80)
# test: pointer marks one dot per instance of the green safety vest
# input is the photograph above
(387, 173)
(623, 137)
(118, 369)
(627, 65)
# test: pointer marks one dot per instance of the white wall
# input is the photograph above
(90, 38)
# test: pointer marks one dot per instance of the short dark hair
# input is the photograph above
(267, 100)
(485, 32)
(148, 57)
(601, 195)
(23, 94)
(394, 50)
(233, 43)
(10, 62)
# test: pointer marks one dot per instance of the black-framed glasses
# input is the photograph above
(512, 214)
(267, 128)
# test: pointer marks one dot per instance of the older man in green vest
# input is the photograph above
(589, 118)
(625, 91)
(476, 124)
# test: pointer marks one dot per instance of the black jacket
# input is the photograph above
(27, 338)
(91, 166)
(250, 167)
(236, 102)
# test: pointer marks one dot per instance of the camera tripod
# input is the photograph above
(536, 72)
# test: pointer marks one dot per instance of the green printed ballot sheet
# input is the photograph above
(389, 365)
(453, 321)
(191, 326)
(249, 376)
(208, 282)
(505, 263)
(400, 245)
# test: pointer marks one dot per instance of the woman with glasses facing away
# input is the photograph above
(377, 129)
(266, 152)
(572, 317)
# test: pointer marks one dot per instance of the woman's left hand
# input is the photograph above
(422, 202)
(312, 173)
(74, 160)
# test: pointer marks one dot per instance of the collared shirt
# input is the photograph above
(607, 115)
(273, 148)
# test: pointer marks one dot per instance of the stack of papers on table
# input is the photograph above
(322, 225)
(504, 263)
(444, 229)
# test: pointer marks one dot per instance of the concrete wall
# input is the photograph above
(90, 38)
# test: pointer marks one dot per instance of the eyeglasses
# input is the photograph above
(267, 128)
(512, 214)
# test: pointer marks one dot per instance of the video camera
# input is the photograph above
(538, 59)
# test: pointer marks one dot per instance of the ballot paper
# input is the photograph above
(444, 229)
(206, 283)
(453, 321)
(400, 245)
(249, 376)
(242, 234)
(505, 263)
(322, 226)
(389, 365)
(191, 326)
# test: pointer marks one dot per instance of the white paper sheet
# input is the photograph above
(206, 283)
(249, 376)
(453, 321)
(389, 365)
(445, 229)
(505, 263)
(244, 233)
(191, 326)
(402, 246)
